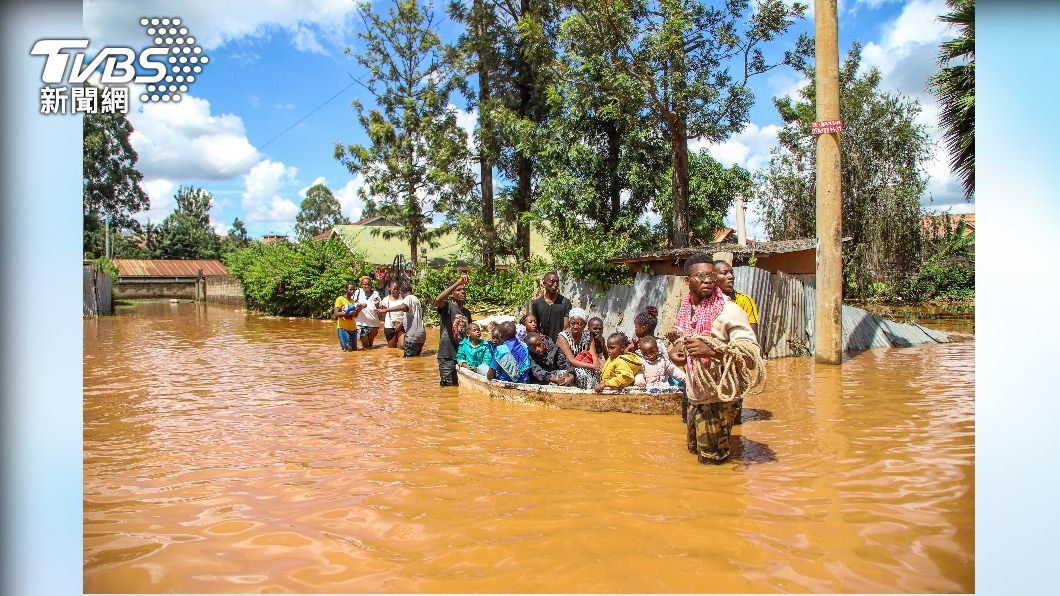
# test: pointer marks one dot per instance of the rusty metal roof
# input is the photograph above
(776, 246)
(168, 268)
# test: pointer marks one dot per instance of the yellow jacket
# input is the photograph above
(619, 372)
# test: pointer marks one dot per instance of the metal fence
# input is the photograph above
(97, 291)
(785, 302)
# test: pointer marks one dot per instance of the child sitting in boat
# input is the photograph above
(511, 359)
(621, 367)
(644, 325)
(657, 372)
(474, 352)
(532, 326)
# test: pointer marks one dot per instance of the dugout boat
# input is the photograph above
(632, 400)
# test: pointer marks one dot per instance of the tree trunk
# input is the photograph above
(489, 256)
(614, 146)
(524, 169)
(414, 246)
(679, 183)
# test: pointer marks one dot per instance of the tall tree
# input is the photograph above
(954, 85)
(712, 190)
(111, 182)
(481, 45)
(417, 164)
(186, 233)
(236, 238)
(320, 211)
(883, 153)
(694, 62)
(603, 158)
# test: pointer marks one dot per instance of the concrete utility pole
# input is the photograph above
(828, 318)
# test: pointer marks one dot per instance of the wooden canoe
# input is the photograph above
(633, 400)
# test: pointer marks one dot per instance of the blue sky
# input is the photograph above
(257, 127)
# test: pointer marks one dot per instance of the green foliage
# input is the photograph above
(320, 211)
(954, 85)
(509, 289)
(416, 164)
(947, 274)
(883, 151)
(693, 61)
(297, 280)
(110, 180)
(712, 190)
(107, 266)
(186, 233)
(584, 253)
(237, 238)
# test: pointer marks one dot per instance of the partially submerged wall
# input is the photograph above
(97, 291)
(223, 289)
(147, 288)
(785, 306)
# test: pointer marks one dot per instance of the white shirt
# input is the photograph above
(393, 316)
(414, 331)
(367, 316)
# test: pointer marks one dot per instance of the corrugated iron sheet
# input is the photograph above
(168, 268)
(785, 302)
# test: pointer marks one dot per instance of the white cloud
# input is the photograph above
(787, 83)
(263, 198)
(467, 121)
(160, 191)
(306, 41)
(748, 148)
(186, 141)
(348, 196)
(215, 23)
(305, 189)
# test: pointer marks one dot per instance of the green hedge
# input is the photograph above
(507, 289)
(294, 280)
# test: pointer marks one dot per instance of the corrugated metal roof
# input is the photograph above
(168, 267)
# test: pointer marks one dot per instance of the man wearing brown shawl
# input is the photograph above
(712, 334)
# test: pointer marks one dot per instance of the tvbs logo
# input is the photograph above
(166, 68)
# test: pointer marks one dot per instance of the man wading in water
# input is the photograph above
(723, 356)
(448, 340)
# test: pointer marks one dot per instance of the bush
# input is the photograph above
(939, 280)
(107, 266)
(294, 280)
(508, 289)
(584, 254)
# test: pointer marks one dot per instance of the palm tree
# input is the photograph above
(955, 87)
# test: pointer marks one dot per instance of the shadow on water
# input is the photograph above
(755, 415)
(746, 452)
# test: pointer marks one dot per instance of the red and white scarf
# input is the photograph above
(706, 312)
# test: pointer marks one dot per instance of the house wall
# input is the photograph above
(223, 290)
(147, 288)
(795, 263)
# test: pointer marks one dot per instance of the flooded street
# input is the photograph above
(226, 452)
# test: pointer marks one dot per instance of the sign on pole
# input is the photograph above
(827, 127)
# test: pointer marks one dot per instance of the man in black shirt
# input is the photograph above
(551, 309)
(547, 362)
(448, 311)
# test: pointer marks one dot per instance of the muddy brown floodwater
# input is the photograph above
(226, 452)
